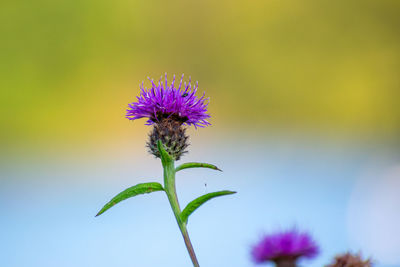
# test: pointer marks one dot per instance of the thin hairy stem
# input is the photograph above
(170, 189)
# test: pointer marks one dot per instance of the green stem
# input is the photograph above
(170, 189)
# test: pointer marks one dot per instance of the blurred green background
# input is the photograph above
(69, 68)
(304, 103)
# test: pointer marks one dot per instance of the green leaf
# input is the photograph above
(131, 192)
(196, 165)
(192, 206)
(165, 157)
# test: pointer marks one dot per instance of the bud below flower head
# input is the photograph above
(172, 135)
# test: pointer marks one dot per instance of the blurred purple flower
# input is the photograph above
(166, 101)
(284, 246)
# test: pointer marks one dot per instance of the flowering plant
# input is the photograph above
(285, 248)
(169, 110)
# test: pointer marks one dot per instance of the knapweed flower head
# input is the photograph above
(164, 101)
(285, 246)
(169, 109)
(350, 260)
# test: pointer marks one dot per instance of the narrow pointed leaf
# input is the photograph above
(165, 157)
(196, 165)
(192, 206)
(138, 189)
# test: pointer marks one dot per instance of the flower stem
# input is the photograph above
(285, 262)
(170, 189)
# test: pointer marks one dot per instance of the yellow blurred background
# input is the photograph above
(69, 68)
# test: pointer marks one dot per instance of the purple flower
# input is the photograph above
(282, 246)
(164, 101)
